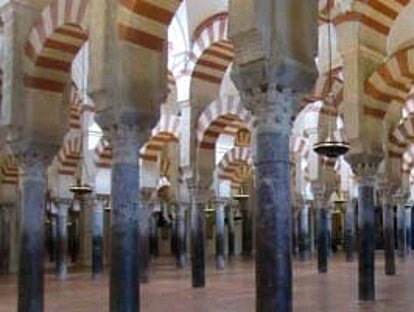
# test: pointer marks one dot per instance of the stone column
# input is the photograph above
(408, 237)
(219, 205)
(145, 212)
(98, 236)
(349, 230)
(62, 258)
(153, 236)
(197, 238)
(181, 236)
(365, 166)
(247, 226)
(33, 183)
(412, 228)
(272, 108)
(389, 238)
(6, 239)
(400, 200)
(230, 231)
(322, 235)
(304, 233)
(124, 281)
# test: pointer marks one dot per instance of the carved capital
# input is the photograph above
(365, 166)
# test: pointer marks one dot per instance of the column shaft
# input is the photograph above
(197, 243)
(322, 238)
(401, 234)
(181, 237)
(412, 228)
(304, 233)
(366, 255)
(389, 239)
(144, 241)
(273, 220)
(62, 239)
(349, 231)
(97, 238)
(219, 236)
(247, 227)
(231, 232)
(124, 281)
(408, 225)
(30, 286)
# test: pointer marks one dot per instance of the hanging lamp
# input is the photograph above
(331, 147)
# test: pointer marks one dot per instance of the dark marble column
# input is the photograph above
(247, 226)
(181, 256)
(322, 237)
(304, 233)
(4, 239)
(349, 230)
(408, 237)
(401, 238)
(124, 281)
(272, 109)
(366, 225)
(153, 236)
(145, 213)
(412, 228)
(219, 206)
(33, 184)
(98, 236)
(389, 238)
(62, 258)
(231, 231)
(197, 238)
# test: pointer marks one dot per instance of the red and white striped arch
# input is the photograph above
(233, 159)
(212, 52)
(224, 116)
(391, 83)
(10, 170)
(69, 156)
(103, 154)
(166, 131)
(145, 23)
(375, 16)
(401, 137)
(53, 43)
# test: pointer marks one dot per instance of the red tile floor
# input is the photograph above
(229, 291)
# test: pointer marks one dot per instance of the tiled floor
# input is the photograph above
(230, 291)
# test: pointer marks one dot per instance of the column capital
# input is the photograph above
(400, 198)
(365, 166)
(63, 202)
(272, 107)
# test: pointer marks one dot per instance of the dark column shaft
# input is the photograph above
(349, 231)
(401, 239)
(366, 255)
(32, 236)
(273, 220)
(197, 243)
(97, 238)
(389, 239)
(181, 237)
(412, 229)
(304, 234)
(322, 238)
(153, 236)
(144, 242)
(247, 228)
(62, 239)
(219, 235)
(124, 281)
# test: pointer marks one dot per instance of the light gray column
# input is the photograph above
(124, 281)
(401, 235)
(197, 237)
(231, 231)
(349, 230)
(219, 209)
(181, 235)
(62, 258)
(98, 236)
(33, 182)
